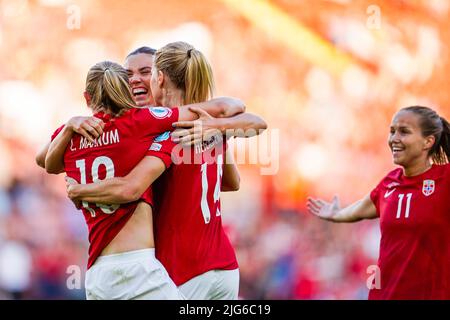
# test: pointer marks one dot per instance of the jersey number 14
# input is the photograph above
(204, 202)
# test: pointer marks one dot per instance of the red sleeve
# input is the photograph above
(57, 132)
(162, 148)
(155, 120)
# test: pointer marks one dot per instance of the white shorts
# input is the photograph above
(133, 275)
(212, 285)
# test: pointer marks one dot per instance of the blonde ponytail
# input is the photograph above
(199, 78)
(107, 84)
(188, 70)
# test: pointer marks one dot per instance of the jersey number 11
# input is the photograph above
(400, 202)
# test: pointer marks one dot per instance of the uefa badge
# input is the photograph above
(428, 187)
(160, 112)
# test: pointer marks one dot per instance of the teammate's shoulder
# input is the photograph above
(391, 179)
(133, 111)
(394, 173)
(152, 111)
(134, 114)
(160, 112)
(442, 169)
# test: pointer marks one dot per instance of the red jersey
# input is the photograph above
(414, 215)
(115, 153)
(190, 239)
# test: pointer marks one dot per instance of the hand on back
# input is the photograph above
(89, 127)
(194, 132)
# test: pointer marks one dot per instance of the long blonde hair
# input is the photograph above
(107, 85)
(188, 69)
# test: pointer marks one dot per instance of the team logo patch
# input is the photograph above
(155, 147)
(428, 187)
(163, 137)
(160, 112)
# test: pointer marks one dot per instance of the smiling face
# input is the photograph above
(139, 69)
(408, 145)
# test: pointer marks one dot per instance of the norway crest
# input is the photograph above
(428, 187)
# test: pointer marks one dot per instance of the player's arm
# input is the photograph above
(89, 127)
(331, 211)
(222, 107)
(231, 179)
(40, 157)
(241, 125)
(121, 189)
(54, 160)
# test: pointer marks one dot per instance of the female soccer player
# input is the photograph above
(413, 207)
(190, 240)
(139, 68)
(122, 263)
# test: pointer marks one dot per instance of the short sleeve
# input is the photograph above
(57, 132)
(155, 120)
(162, 147)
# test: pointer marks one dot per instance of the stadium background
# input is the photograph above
(327, 76)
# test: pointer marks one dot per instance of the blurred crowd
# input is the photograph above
(325, 75)
(285, 254)
(41, 232)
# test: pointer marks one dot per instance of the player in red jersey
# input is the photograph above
(190, 240)
(139, 68)
(122, 263)
(138, 65)
(413, 207)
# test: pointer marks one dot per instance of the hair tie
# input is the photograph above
(189, 53)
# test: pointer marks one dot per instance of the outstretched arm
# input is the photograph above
(121, 189)
(331, 211)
